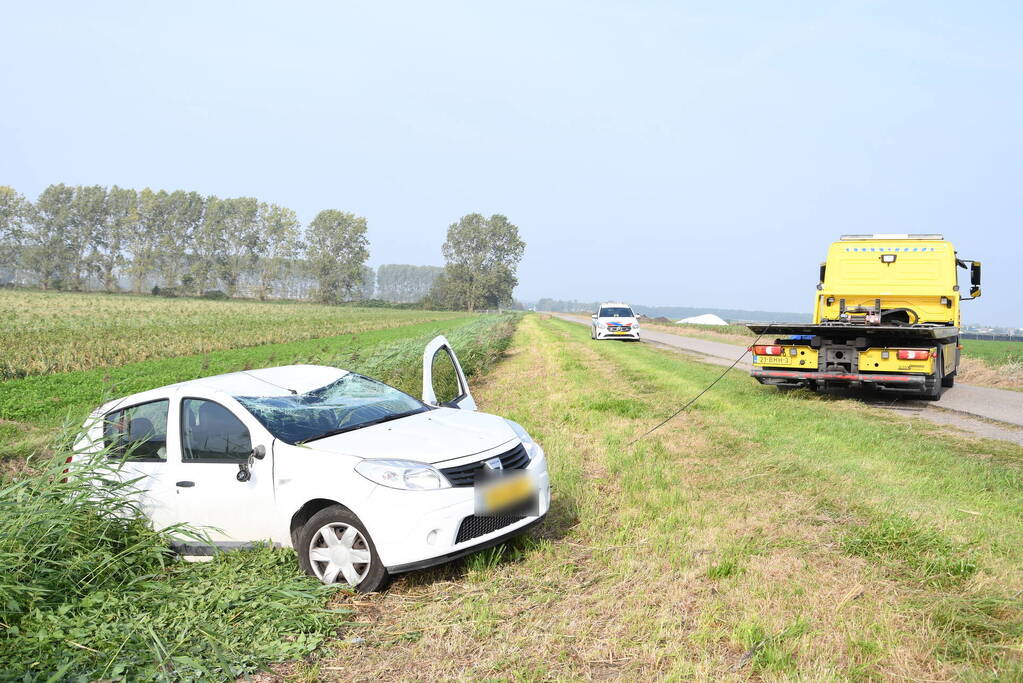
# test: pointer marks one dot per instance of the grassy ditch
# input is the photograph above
(90, 592)
(761, 535)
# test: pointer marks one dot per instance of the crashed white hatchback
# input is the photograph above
(363, 480)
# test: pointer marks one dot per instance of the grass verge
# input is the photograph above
(761, 535)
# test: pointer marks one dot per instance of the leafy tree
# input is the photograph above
(48, 252)
(88, 217)
(15, 212)
(337, 250)
(208, 243)
(184, 214)
(240, 241)
(481, 257)
(122, 218)
(142, 244)
(278, 243)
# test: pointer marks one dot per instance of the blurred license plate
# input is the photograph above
(506, 492)
(619, 331)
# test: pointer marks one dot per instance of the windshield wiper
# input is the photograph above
(349, 428)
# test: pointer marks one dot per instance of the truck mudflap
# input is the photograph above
(914, 383)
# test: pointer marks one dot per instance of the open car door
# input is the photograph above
(443, 380)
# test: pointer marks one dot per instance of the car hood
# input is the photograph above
(432, 436)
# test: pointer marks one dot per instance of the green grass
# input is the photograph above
(778, 536)
(994, 353)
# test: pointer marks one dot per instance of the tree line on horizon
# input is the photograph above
(94, 238)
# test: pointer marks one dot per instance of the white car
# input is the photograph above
(614, 320)
(363, 480)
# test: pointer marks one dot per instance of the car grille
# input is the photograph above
(465, 475)
(474, 527)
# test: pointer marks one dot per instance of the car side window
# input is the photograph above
(212, 433)
(138, 432)
(445, 378)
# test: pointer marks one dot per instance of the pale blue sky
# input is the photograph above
(656, 152)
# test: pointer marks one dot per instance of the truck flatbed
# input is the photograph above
(830, 329)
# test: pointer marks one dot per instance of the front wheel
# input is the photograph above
(335, 547)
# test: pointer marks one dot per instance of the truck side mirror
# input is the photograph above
(974, 275)
(820, 283)
(974, 292)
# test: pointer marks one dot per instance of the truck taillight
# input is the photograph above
(767, 350)
(914, 354)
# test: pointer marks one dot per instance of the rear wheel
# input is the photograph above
(335, 547)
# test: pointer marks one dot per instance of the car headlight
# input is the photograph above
(532, 447)
(635, 326)
(520, 431)
(403, 474)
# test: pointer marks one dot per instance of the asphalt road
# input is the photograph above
(964, 405)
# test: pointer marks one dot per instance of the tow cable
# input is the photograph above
(705, 390)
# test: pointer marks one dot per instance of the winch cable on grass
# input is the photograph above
(705, 390)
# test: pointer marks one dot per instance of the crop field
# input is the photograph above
(88, 592)
(761, 536)
(54, 332)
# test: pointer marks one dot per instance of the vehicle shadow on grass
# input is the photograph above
(874, 397)
(561, 517)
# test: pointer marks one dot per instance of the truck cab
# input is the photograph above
(886, 315)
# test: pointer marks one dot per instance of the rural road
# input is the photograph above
(964, 405)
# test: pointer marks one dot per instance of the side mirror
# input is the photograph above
(974, 292)
(594, 316)
(975, 276)
(259, 452)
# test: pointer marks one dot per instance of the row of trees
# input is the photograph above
(83, 237)
(94, 237)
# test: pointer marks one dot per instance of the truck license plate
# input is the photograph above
(772, 360)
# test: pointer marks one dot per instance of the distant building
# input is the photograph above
(705, 319)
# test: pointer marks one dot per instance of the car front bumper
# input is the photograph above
(608, 334)
(425, 532)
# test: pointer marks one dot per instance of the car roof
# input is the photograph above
(276, 381)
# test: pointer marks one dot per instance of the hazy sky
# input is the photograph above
(656, 152)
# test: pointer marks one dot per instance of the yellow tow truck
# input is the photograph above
(886, 315)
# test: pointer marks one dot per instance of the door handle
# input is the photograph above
(186, 484)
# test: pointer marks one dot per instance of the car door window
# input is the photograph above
(445, 377)
(138, 432)
(212, 433)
